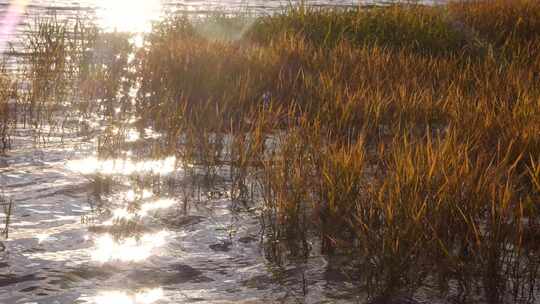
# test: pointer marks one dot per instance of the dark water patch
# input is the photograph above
(247, 239)
(174, 275)
(29, 289)
(89, 273)
(73, 191)
(223, 246)
(336, 275)
(195, 300)
(24, 184)
(10, 279)
(260, 282)
(394, 300)
(33, 250)
(183, 221)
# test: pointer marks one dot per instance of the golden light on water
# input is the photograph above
(124, 213)
(120, 213)
(42, 237)
(107, 249)
(131, 196)
(93, 165)
(159, 204)
(121, 297)
(128, 15)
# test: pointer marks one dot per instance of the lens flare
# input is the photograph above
(10, 20)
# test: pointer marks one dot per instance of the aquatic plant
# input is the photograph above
(403, 138)
(7, 207)
(8, 110)
(424, 29)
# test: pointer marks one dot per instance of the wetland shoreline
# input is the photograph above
(310, 156)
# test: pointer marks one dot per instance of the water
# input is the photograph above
(130, 15)
(137, 244)
(137, 15)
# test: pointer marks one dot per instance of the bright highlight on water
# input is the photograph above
(133, 249)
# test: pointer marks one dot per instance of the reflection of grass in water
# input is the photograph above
(7, 207)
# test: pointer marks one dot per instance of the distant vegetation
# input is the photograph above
(404, 137)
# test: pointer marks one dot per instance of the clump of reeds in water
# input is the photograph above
(404, 137)
(69, 72)
(7, 207)
(8, 93)
(46, 74)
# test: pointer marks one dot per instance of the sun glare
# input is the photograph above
(121, 297)
(128, 15)
(92, 165)
(125, 214)
(128, 250)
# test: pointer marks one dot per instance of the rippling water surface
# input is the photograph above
(136, 15)
(135, 244)
(135, 229)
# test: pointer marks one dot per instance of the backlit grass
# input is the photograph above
(405, 138)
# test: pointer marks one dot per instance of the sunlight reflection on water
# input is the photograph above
(128, 15)
(93, 165)
(122, 297)
(126, 214)
(127, 250)
(159, 204)
(131, 196)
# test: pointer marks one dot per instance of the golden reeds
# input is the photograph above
(405, 137)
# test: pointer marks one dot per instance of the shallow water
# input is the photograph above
(136, 244)
(137, 15)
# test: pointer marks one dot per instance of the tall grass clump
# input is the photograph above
(72, 71)
(55, 55)
(46, 71)
(500, 21)
(7, 110)
(511, 28)
(7, 208)
(403, 138)
(421, 28)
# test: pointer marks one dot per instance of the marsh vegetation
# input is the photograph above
(402, 141)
